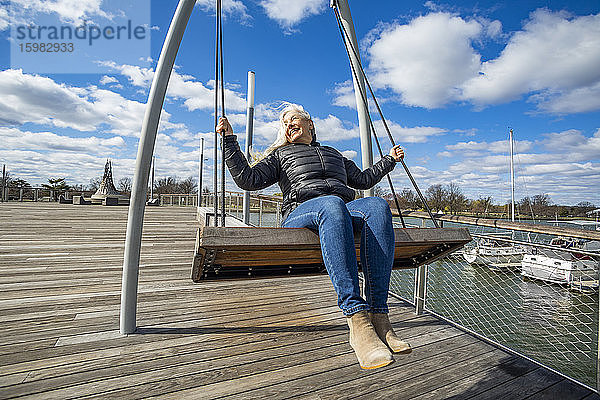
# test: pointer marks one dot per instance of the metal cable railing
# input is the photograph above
(537, 299)
(264, 210)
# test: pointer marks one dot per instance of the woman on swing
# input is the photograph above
(317, 184)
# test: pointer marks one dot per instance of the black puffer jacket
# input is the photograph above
(303, 172)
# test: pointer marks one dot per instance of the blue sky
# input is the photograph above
(451, 78)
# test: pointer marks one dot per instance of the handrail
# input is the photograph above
(540, 245)
(505, 224)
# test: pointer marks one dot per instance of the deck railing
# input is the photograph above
(265, 210)
(28, 194)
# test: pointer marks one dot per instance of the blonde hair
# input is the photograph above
(281, 140)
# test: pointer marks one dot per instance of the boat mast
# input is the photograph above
(512, 177)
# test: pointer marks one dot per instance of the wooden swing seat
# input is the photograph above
(249, 252)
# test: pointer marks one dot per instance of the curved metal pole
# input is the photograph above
(133, 240)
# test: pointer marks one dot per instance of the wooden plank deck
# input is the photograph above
(60, 280)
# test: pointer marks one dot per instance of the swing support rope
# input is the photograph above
(348, 45)
(219, 84)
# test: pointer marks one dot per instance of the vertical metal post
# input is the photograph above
(278, 215)
(420, 289)
(260, 212)
(3, 182)
(200, 172)
(152, 180)
(420, 284)
(249, 134)
(135, 220)
(359, 87)
(512, 178)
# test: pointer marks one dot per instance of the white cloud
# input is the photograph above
(563, 164)
(37, 99)
(138, 76)
(71, 11)
(350, 154)
(554, 54)
(574, 145)
(105, 80)
(229, 7)
(195, 94)
(3, 17)
(15, 139)
(331, 129)
(427, 60)
(41, 100)
(431, 62)
(289, 13)
(78, 167)
(500, 146)
(578, 100)
(344, 95)
(401, 134)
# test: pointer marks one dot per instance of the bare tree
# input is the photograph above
(456, 200)
(95, 183)
(540, 204)
(78, 188)
(187, 186)
(124, 185)
(436, 197)
(482, 205)
(166, 185)
(408, 199)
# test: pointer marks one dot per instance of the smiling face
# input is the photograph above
(298, 128)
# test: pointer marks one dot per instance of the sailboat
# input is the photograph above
(495, 250)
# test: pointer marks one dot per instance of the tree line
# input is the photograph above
(171, 184)
(450, 199)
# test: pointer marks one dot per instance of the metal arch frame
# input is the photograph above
(135, 220)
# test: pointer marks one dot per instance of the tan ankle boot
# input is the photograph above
(383, 327)
(370, 351)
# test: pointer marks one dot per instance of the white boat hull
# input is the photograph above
(560, 271)
(509, 256)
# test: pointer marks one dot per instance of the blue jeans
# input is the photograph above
(336, 222)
